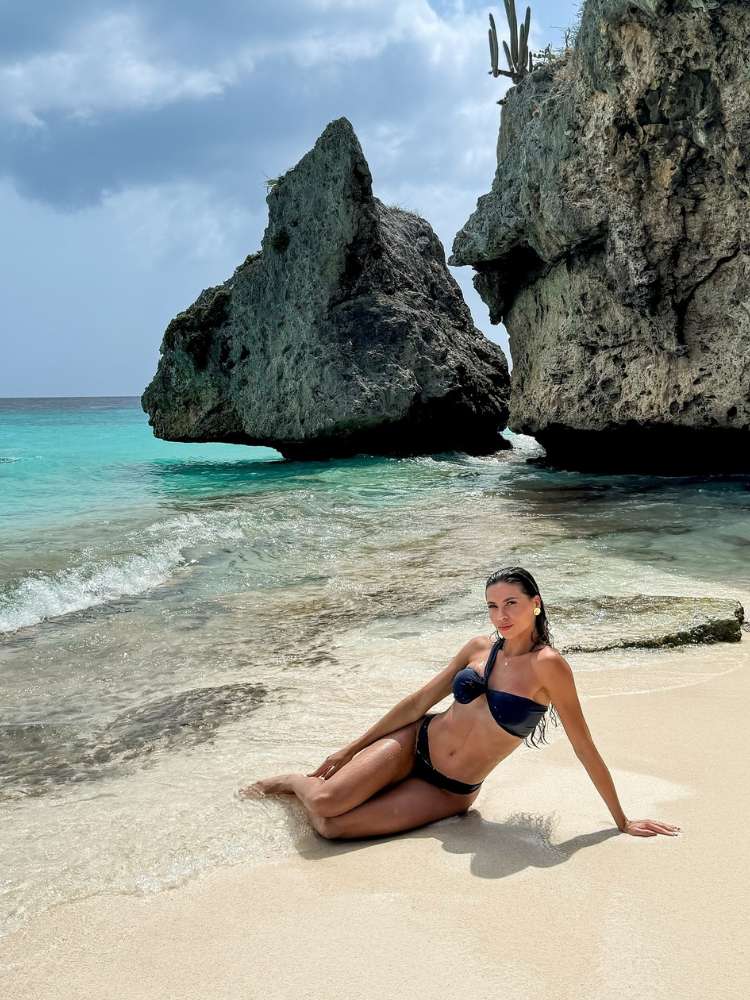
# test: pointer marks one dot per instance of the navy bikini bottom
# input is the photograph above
(423, 765)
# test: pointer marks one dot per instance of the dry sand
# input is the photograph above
(533, 892)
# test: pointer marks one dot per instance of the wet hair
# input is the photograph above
(542, 637)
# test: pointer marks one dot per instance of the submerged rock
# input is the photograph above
(40, 757)
(648, 621)
(614, 242)
(345, 333)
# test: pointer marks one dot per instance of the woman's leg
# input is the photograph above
(412, 803)
(389, 759)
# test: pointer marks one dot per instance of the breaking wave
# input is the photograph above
(155, 553)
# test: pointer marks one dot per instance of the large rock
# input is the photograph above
(614, 241)
(345, 333)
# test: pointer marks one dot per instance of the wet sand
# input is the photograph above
(533, 890)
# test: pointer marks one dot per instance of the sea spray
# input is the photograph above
(99, 579)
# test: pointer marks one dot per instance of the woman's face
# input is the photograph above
(511, 610)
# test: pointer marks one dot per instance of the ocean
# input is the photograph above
(177, 620)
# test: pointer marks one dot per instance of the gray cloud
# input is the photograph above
(219, 93)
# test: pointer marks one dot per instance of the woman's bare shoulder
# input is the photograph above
(547, 650)
(477, 645)
(483, 642)
(546, 654)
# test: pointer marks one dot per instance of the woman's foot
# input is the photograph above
(278, 785)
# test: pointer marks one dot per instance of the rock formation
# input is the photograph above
(649, 621)
(614, 241)
(346, 333)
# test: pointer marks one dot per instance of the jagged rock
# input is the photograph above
(345, 333)
(614, 241)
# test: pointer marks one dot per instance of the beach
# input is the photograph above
(416, 328)
(533, 889)
(178, 622)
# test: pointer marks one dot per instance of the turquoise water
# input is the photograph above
(79, 479)
(94, 508)
(177, 618)
(63, 459)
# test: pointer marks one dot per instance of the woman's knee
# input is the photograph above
(326, 826)
(328, 801)
(324, 803)
(384, 763)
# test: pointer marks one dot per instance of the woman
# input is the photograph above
(395, 778)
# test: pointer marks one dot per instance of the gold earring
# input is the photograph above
(537, 611)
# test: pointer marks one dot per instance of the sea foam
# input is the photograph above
(158, 551)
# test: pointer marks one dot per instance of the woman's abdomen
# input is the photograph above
(463, 746)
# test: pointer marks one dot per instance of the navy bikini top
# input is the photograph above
(512, 712)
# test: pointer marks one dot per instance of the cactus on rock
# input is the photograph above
(520, 61)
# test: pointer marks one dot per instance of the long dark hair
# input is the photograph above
(542, 635)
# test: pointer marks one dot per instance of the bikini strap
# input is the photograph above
(491, 659)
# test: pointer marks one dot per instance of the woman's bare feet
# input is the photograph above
(278, 785)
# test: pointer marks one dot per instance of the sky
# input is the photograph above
(136, 139)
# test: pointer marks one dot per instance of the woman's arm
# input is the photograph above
(409, 709)
(557, 677)
(414, 705)
(599, 774)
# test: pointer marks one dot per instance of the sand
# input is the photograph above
(534, 891)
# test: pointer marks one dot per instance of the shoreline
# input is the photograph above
(534, 887)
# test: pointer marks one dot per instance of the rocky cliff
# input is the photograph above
(614, 241)
(345, 333)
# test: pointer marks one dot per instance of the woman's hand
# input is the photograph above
(333, 763)
(648, 828)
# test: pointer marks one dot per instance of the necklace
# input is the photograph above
(506, 661)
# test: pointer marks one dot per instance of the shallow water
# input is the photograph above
(180, 619)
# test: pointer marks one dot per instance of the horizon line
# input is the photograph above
(113, 395)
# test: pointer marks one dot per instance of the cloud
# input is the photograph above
(155, 222)
(114, 61)
(147, 96)
(108, 64)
